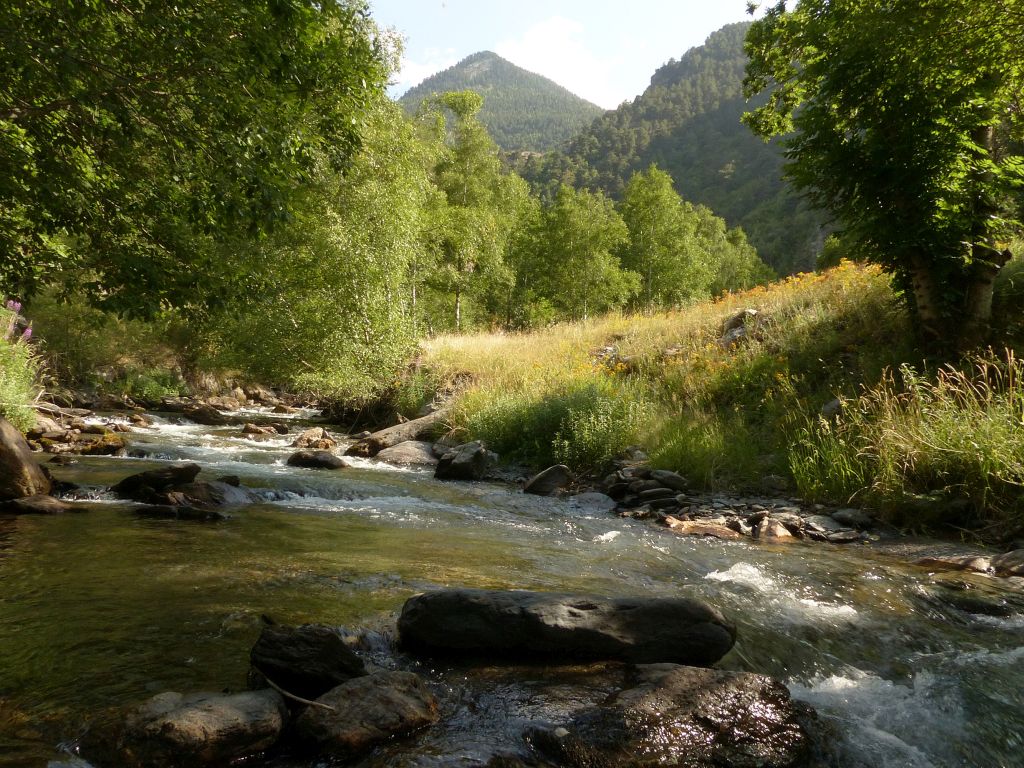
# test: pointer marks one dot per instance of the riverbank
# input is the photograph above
(812, 386)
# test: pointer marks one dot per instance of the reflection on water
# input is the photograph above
(103, 609)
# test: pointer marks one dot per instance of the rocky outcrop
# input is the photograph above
(366, 711)
(547, 626)
(415, 429)
(411, 453)
(470, 461)
(141, 486)
(317, 460)
(685, 717)
(20, 476)
(307, 661)
(550, 481)
(200, 729)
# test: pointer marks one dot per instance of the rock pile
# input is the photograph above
(659, 494)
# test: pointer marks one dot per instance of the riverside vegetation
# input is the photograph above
(343, 231)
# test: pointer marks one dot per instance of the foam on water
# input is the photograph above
(781, 599)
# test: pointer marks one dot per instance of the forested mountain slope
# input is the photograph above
(687, 122)
(522, 110)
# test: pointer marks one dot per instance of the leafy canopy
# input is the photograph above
(907, 121)
(134, 135)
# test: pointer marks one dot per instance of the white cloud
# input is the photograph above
(555, 48)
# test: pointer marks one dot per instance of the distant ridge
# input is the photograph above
(687, 122)
(522, 110)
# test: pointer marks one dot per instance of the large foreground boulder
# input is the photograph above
(559, 626)
(19, 474)
(367, 711)
(199, 729)
(685, 717)
(307, 661)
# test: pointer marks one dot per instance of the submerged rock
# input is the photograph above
(701, 528)
(200, 729)
(35, 505)
(469, 461)
(306, 661)
(559, 626)
(685, 717)
(20, 476)
(367, 711)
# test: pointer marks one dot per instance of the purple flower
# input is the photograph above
(26, 334)
(14, 306)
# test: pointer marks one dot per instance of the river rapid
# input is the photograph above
(105, 608)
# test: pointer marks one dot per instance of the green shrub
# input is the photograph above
(18, 373)
(913, 439)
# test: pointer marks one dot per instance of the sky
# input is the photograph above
(603, 51)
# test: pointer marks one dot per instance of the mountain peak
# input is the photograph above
(522, 110)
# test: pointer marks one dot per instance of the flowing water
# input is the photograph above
(105, 609)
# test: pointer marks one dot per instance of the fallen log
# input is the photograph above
(386, 438)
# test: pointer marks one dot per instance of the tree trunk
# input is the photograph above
(977, 311)
(926, 304)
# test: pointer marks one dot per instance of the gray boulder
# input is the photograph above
(317, 460)
(469, 461)
(549, 481)
(201, 729)
(367, 711)
(204, 414)
(1010, 563)
(307, 661)
(520, 624)
(19, 474)
(668, 479)
(684, 717)
(315, 438)
(411, 453)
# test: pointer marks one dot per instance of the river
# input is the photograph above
(105, 608)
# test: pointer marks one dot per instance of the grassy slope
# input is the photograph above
(730, 416)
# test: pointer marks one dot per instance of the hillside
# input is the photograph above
(522, 110)
(688, 123)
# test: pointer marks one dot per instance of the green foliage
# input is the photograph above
(137, 136)
(687, 123)
(583, 422)
(18, 372)
(928, 189)
(86, 347)
(329, 314)
(912, 444)
(574, 264)
(521, 110)
(475, 217)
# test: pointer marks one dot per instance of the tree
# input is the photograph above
(136, 136)
(482, 203)
(663, 247)
(575, 266)
(898, 107)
